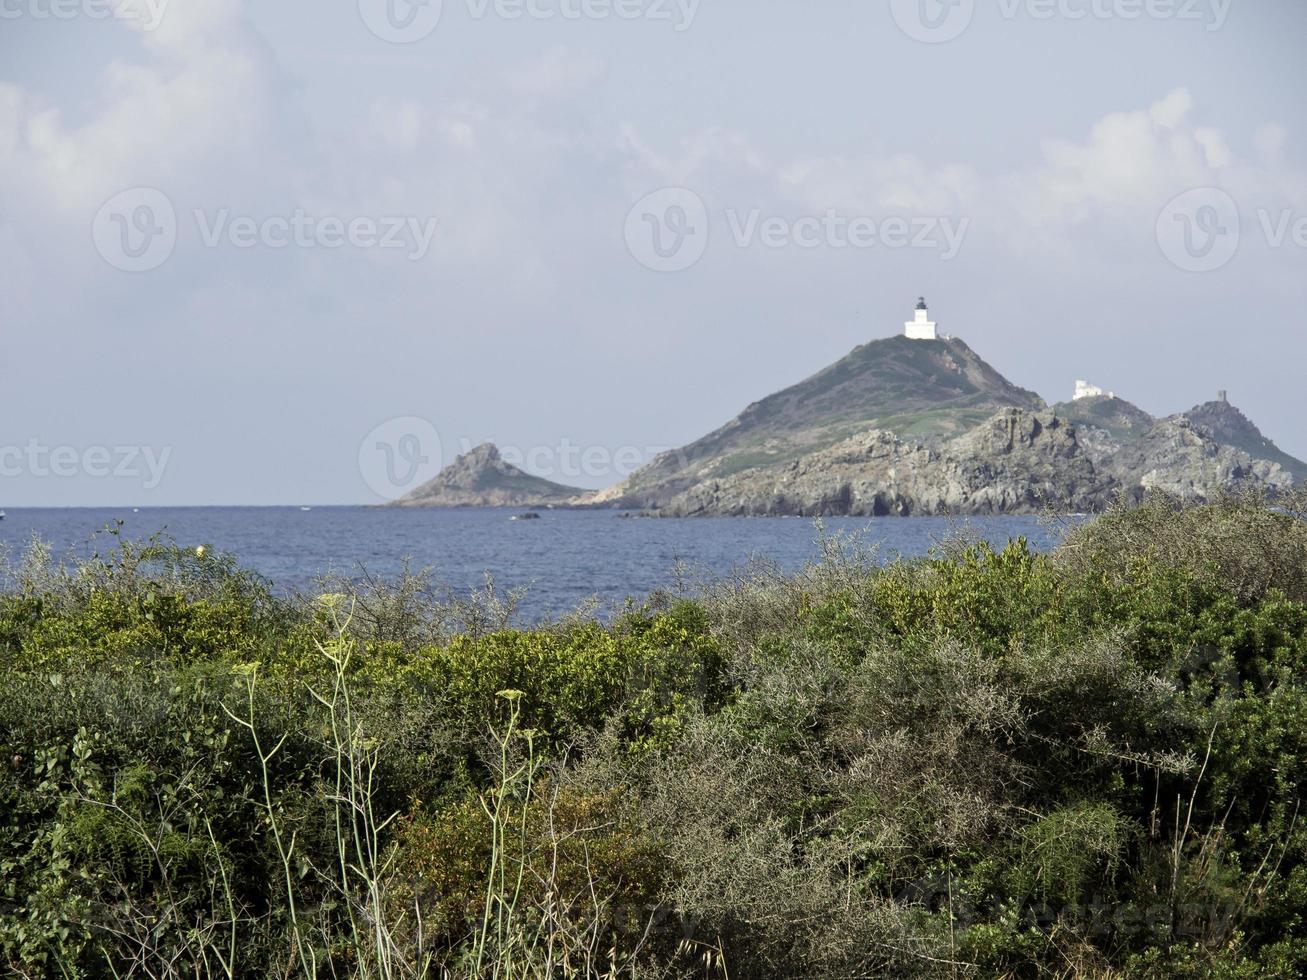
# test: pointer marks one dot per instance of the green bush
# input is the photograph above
(987, 762)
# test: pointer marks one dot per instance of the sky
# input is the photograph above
(306, 253)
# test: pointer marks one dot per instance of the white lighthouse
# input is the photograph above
(922, 327)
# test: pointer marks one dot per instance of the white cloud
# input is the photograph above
(1171, 110)
(559, 73)
(206, 108)
(539, 194)
(397, 122)
(458, 132)
(1270, 139)
(1080, 205)
(198, 102)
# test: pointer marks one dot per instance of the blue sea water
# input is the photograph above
(562, 559)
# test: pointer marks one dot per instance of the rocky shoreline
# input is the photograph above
(1018, 462)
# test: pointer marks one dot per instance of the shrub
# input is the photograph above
(985, 762)
(1244, 544)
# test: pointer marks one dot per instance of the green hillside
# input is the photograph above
(1123, 421)
(917, 389)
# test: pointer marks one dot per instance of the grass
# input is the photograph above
(987, 762)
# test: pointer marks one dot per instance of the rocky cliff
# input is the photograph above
(1179, 456)
(927, 427)
(926, 390)
(1231, 427)
(1105, 423)
(1016, 462)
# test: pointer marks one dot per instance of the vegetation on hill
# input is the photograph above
(1087, 763)
(1106, 425)
(1121, 422)
(904, 427)
(913, 388)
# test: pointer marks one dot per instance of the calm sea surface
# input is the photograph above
(563, 559)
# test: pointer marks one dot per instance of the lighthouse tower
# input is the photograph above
(921, 328)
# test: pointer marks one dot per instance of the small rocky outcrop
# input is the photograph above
(482, 478)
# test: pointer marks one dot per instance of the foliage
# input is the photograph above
(987, 762)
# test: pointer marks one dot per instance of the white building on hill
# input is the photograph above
(1085, 390)
(921, 328)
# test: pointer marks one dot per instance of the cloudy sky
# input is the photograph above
(301, 252)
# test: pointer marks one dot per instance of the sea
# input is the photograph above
(564, 560)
